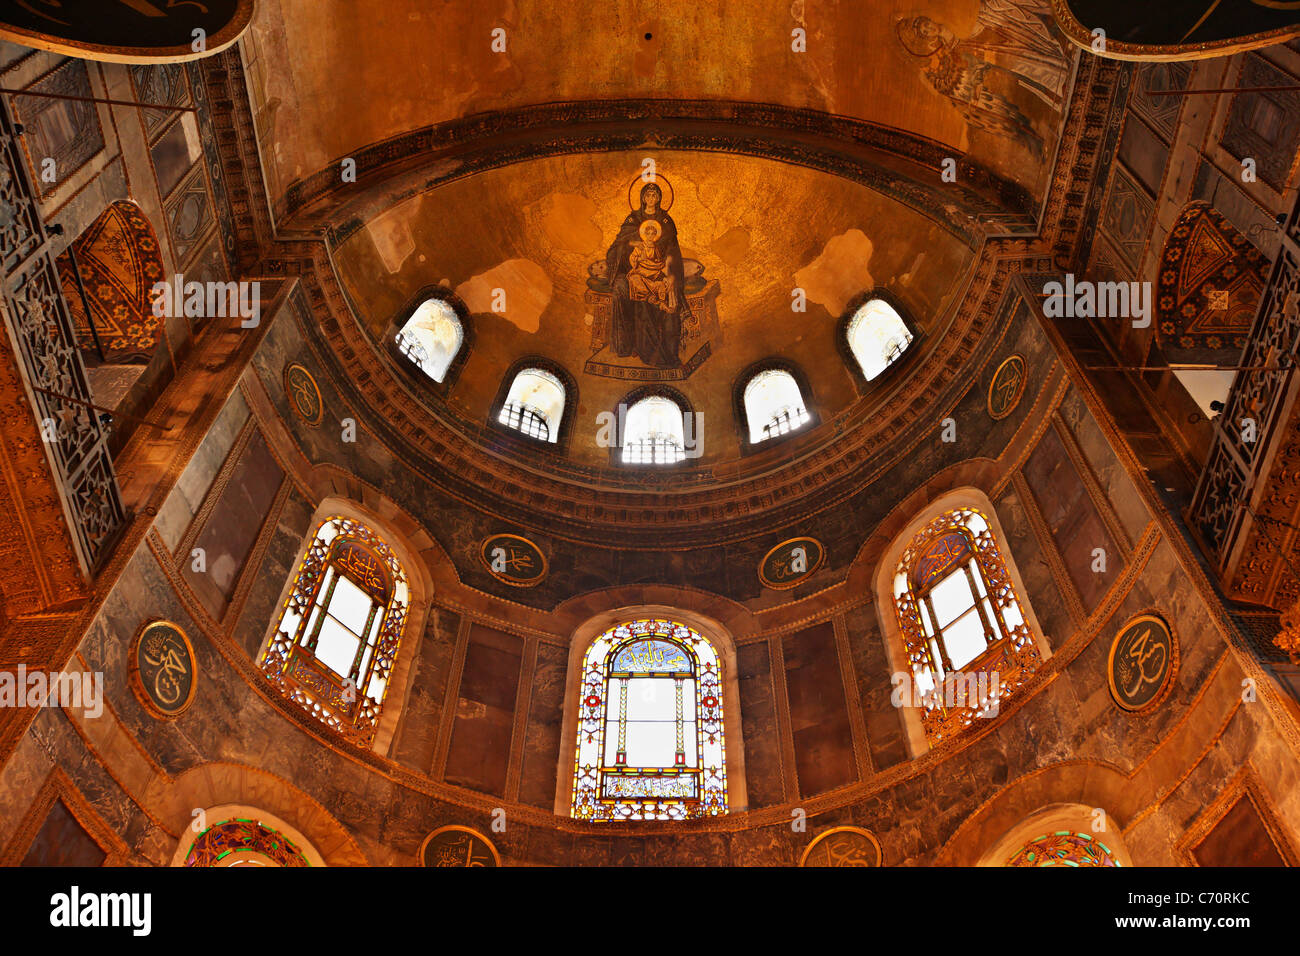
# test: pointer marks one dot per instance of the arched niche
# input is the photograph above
(896, 650)
(420, 592)
(255, 843)
(1083, 835)
(586, 633)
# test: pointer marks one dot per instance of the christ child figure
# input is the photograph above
(648, 279)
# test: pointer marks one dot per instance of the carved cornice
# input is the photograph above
(897, 163)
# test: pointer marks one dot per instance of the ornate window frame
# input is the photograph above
(926, 726)
(255, 837)
(585, 637)
(399, 636)
(1065, 832)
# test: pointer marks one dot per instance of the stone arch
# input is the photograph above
(685, 611)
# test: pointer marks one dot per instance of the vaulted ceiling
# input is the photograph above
(332, 78)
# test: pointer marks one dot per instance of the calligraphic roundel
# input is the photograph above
(120, 261)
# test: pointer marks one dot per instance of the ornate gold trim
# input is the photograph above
(1165, 686)
(880, 854)
(821, 559)
(455, 828)
(1080, 35)
(224, 38)
(137, 685)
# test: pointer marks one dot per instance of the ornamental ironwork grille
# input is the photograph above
(524, 419)
(650, 740)
(784, 422)
(968, 644)
(340, 629)
(653, 450)
(1064, 848)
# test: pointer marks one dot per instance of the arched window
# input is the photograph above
(967, 641)
(432, 337)
(773, 405)
(877, 336)
(1062, 834)
(1064, 848)
(653, 433)
(534, 405)
(650, 744)
(243, 843)
(339, 631)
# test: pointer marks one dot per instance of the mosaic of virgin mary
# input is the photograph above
(648, 284)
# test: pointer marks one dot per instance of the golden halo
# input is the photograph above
(660, 180)
(651, 226)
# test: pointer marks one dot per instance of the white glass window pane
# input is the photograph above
(336, 648)
(979, 578)
(964, 639)
(951, 597)
(650, 698)
(534, 392)
(611, 741)
(773, 405)
(431, 338)
(365, 662)
(689, 744)
(375, 689)
(651, 743)
(1012, 616)
(350, 606)
(653, 432)
(877, 337)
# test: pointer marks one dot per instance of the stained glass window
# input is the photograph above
(968, 643)
(650, 743)
(534, 404)
(432, 337)
(1064, 848)
(773, 404)
(242, 842)
(877, 336)
(653, 432)
(340, 628)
